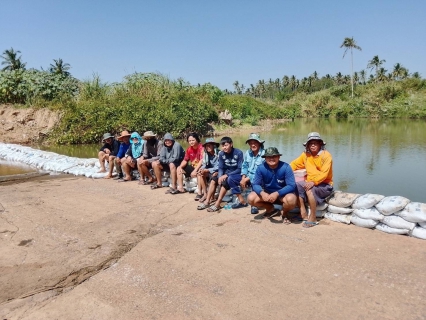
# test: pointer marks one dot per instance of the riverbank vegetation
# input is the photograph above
(148, 101)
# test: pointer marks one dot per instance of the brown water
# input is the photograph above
(369, 156)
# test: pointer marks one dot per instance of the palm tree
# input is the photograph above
(59, 67)
(237, 86)
(12, 61)
(349, 43)
(363, 76)
(381, 75)
(416, 75)
(375, 63)
(292, 82)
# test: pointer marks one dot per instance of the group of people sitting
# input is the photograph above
(271, 180)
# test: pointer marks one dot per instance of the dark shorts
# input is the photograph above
(166, 166)
(188, 170)
(321, 191)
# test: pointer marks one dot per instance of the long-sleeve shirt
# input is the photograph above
(210, 162)
(230, 163)
(319, 169)
(123, 149)
(280, 179)
(151, 151)
(251, 162)
(114, 147)
(173, 154)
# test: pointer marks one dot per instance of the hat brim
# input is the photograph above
(121, 137)
(213, 142)
(322, 141)
(260, 141)
(103, 140)
(145, 137)
(271, 155)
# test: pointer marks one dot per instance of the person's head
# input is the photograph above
(254, 142)
(226, 143)
(168, 140)
(124, 137)
(193, 139)
(314, 144)
(135, 138)
(149, 135)
(210, 145)
(272, 157)
(107, 138)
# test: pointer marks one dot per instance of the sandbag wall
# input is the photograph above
(50, 161)
(395, 214)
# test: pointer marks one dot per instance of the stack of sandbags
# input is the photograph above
(392, 223)
(365, 214)
(339, 207)
(415, 212)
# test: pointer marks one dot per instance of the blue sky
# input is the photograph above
(214, 41)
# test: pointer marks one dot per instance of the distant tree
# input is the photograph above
(285, 81)
(375, 63)
(59, 67)
(362, 76)
(293, 83)
(12, 61)
(338, 78)
(350, 44)
(381, 75)
(416, 75)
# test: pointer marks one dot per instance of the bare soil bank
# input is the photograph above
(78, 248)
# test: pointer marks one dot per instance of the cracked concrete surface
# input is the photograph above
(76, 248)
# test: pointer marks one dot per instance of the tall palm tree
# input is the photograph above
(381, 75)
(59, 67)
(12, 61)
(362, 76)
(349, 43)
(416, 75)
(375, 63)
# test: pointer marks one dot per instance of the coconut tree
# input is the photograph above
(11, 60)
(362, 76)
(416, 75)
(237, 87)
(59, 67)
(381, 75)
(350, 44)
(375, 63)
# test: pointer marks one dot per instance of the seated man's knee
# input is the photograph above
(290, 199)
(252, 197)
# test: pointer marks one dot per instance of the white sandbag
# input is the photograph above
(364, 223)
(342, 218)
(371, 213)
(99, 175)
(366, 201)
(339, 210)
(413, 212)
(398, 222)
(422, 224)
(385, 228)
(418, 232)
(320, 213)
(190, 184)
(343, 199)
(392, 204)
(322, 206)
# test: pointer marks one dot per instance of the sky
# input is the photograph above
(214, 41)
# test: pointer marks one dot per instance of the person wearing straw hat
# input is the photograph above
(208, 172)
(124, 139)
(108, 152)
(273, 183)
(252, 159)
(318, 163)
(151, 152)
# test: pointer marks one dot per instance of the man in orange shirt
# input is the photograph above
(319, 181)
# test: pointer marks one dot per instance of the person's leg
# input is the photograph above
(289, 203)
(118, 168)
(180, 182)
(102, 156)
(111, 162)
(201, 187)
(143, 167)
(173, 174)
(312, 205)
(126, 168)
(157, 167)
(211, 191)
(254, 200)
(301, 199)
(222, 193)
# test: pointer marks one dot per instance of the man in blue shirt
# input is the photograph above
(274, 183)
(252, 159)
(124, 138)
(229, 172)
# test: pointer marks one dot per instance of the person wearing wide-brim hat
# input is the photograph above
(151, 153)
(318, 185)
(208, 171)
(273, 183)
(107, 153)
(124, 138)
(252, 159)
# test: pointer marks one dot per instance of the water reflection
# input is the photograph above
(370, 156)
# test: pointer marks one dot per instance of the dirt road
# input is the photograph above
(78, 248)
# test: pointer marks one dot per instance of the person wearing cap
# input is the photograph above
(191, 163)
(229, 172)
(273, 183)
(134, 152)
(252, 159)
(208, 171)
(171, 155)
(318, 163)
(151, 152)
(124, 139)
(108, 152)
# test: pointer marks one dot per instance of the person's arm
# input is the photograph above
(159, 148)
(105, 146)
(145, 154)
(116, 147)
(121, 152)
(245, 165)
(129, 152)
(257, 182)
(322, 174)
(290, 182)
(215, 166)
(298, 163)
(163, 156)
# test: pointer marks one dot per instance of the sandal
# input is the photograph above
(271, 214)
(286, 221)
(203, 198)
(198, 197)
(213, 208)
(156, 186)
(309, 224)
(176, 191)
(170, 190)
(202, 206)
